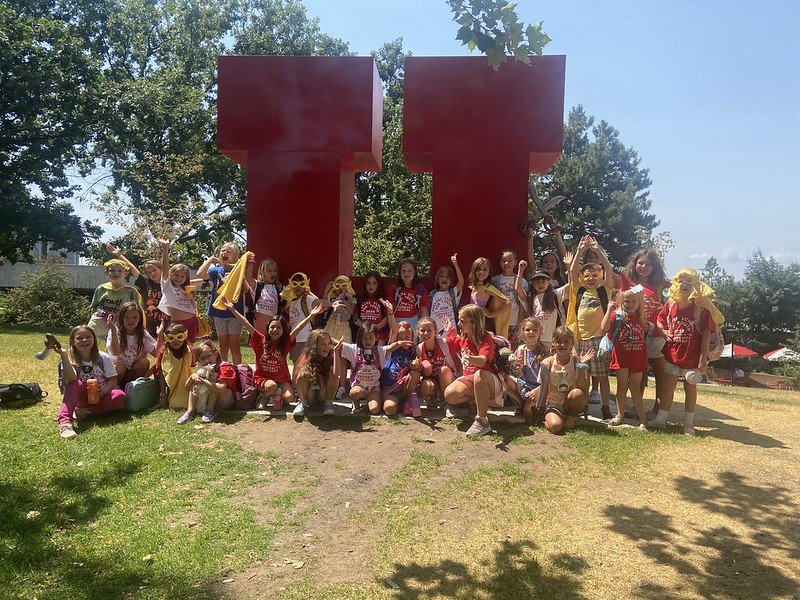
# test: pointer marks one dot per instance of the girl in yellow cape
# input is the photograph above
(496, 306)
(688, 320)
(299, 300)
(340, 297)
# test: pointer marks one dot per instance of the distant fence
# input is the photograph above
(84, 278)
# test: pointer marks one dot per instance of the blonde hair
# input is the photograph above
(474, 313)
(204, 350)
(262, 269)
(177, 269)
(232, 246)
(640, 311)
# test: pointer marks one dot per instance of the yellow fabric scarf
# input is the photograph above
(572, 310)
(293, 291)
(701, 294)
(341, 284)
(232, 286)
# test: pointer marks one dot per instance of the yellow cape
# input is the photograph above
(496, 300)
(341, 284)
(288, 293)
(231, 288)
(701, 294)
(572, 310)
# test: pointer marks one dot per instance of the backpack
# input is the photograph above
(20, 395)
(251, 299)
(602, 294)
(502, 354)
(716, 343)
(607, 343)
(239, 379)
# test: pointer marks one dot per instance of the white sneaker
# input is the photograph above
(328, 410)
(479, 427)
(299, 409)
(451, 412)
(595, 397)
(66, 431)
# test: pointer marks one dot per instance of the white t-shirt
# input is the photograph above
(296, 315)
(131, 353)
(507, 285)
(87, 370)
(442, 306)
(549, 319)
(267, 302)
(173, 297)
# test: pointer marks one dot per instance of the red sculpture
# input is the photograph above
(481, 132)
(301, 126)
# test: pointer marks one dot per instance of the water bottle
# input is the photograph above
(92, 391)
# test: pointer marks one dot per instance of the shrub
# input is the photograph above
(45, 299)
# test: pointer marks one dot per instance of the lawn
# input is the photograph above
(138, 507)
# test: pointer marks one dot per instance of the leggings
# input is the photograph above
(75, 397)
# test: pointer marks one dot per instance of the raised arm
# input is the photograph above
(317, 309)
(575, 266)
(202, 272)
(519, 287)
(392, 321)
(249, 278)
(459, 274)
(237, 315)
(556, 231)
(606, 322)
(117, 253)
(114, 347)
(165, 246)
(612, 279)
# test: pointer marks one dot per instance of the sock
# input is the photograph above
(661, 417)
(688, 420)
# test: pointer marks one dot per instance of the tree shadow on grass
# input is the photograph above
(41, 554)
(727, 565)
(516, 574)
(722, 427)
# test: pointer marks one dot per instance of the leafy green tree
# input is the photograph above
(157, 135)
(493, 27)
(606, 188)
(392, 207)
(726, 291)
(47, 88)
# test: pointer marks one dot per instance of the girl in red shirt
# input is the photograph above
(629, 353)
(479, 383)
(371, 309)
(408, 295)
(436, 361)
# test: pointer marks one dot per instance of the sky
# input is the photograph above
(707, 93)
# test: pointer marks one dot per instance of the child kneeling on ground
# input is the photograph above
(563, 383)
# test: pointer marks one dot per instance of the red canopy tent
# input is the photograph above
(738, 352)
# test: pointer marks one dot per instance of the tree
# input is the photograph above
(492, 26)
(157, 135)
(47, 89)
(392, 207)
(606, 189)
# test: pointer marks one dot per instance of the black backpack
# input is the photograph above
(20, 395)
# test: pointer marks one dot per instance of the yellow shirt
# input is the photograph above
(590, 315)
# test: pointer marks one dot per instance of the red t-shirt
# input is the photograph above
(652, 301)
(371, 311)
(684, 349)
(408, 301)
(630, 348)
(270, 360)
(467, 348)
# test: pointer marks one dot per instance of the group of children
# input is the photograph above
(540, 340)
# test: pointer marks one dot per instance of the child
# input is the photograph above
(174, 366)
(367, 359)
(149, 286)
(299, 302)
(590, 287)
(629, 352)
(272, 376)
(645, 269)
(109, 297)
(341, 300)
(229, 330)
(437, 367)
(513, 286)
(129, 344)
(176, 301)
(370, 307)
(82, 363)
(400, 375)
(550, 262)
(687, 320)
(446, 297)
(563, 383)
(316, 374)
(265, 296)
(545, 304)
(522, 385)
(220, 397)
(479, 382)
(492, 301)
(408, 294)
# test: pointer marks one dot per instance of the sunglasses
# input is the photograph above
(176, 337)
(592, 275)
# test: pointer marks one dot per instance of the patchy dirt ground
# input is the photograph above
(715, 517)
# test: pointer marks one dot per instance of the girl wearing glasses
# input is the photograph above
(174, 367)
(81, 363)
